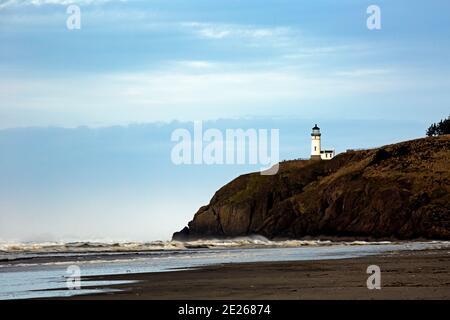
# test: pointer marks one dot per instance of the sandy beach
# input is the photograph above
(421, 274)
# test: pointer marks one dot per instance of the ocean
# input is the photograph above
(40, 270)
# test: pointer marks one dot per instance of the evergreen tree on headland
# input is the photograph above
(440, 128)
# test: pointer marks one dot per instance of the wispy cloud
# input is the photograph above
(9, 3)
(196, 64)
(363, 72)
(289, 42)
(216, 31)
(317, 50)
(206, 88)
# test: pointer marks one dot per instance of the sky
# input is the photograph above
(86, 114)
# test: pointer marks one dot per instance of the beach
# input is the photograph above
(415, 274)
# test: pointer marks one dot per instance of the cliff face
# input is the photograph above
(398, 191)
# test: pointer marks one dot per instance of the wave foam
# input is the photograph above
(123, 247)
(88, 246)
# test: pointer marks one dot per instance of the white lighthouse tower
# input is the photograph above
(316, 152)
(315, 143)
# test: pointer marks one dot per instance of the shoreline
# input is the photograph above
(421, 274)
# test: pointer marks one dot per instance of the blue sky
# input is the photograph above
(264, 64)
(142, 61)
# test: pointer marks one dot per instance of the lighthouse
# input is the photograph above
(315, 143)
(316, 152)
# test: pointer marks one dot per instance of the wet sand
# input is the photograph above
(404, 275)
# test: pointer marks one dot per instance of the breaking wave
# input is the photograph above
(88, 246)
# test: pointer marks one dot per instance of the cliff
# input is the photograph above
(399, 191)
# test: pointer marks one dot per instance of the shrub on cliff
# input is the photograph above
(440, 128)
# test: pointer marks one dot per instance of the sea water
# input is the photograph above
(37, 270)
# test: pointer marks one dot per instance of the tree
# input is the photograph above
(440, 128)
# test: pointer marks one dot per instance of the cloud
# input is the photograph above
(196, 64)
(363, 72)
(288, 42)
(163, 68)
(183, 90)
(9, 3)
(315, 50)
(216, 31)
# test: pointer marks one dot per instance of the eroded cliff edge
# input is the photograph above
(399, 191)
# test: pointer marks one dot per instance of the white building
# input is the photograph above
(316, 152)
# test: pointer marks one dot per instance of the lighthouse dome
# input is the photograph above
(316, 131)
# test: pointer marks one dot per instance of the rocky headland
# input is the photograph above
(399, 191)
